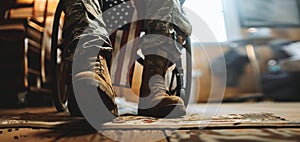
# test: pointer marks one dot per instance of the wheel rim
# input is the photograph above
(59, 95)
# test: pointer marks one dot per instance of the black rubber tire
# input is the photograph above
(59, 102)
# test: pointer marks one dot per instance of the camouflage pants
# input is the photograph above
(165, 22)
(84, 21)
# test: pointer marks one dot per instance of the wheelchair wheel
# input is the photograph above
(58, 85)
(183, 74)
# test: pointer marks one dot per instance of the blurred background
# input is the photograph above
(257, 39)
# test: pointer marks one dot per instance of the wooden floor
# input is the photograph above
(289, 111)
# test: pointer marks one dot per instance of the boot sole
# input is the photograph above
(170, 111)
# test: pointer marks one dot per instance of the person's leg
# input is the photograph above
(165, 31)
(169, 11)
(87, 49)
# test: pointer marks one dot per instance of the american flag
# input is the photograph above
(118, 15)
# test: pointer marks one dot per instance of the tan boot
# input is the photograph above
(154, 101)
(97, 79)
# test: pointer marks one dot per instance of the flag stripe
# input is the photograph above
(125, 51)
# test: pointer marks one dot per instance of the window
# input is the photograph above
(211, 12)
(269, 13)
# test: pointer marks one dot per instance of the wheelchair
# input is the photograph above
(178, 81)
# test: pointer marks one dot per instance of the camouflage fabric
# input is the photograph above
(161, 39)
(167, 23)
(169, 11)
(84, 18)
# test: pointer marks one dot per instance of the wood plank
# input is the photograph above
(45, 135)
(266, 135)
(136, 135)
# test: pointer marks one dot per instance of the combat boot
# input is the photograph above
(154, 101)
(87, 84)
